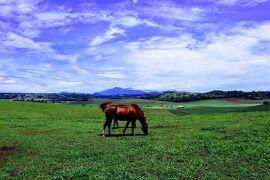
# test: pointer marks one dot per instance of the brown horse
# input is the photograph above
(129, 113)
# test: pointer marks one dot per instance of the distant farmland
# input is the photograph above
(226, 102)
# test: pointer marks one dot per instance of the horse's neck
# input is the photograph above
(142, 121)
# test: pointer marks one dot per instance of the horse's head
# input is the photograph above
(145, 127)
(103, 105)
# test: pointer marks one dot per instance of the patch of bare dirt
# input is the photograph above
(232, 100)
(6, 151)
(242, 103)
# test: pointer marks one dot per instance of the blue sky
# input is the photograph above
(88, 46)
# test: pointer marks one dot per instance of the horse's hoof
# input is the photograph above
(103, 135)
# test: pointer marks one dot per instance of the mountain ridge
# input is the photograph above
(123, 91)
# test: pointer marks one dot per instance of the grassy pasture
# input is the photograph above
(63, 141)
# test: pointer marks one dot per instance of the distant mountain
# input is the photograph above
(122, 91)
(64, 92)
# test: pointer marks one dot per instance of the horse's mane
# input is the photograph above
(138, 109)
(102, 106)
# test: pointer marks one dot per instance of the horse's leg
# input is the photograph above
(133, 126)
(126, 127)
(117, 123)
(104, 127)
(108, 121)
(109, 126)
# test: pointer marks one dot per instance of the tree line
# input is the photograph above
(187, 96)
(164, 96)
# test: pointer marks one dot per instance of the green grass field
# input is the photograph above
(56, 141)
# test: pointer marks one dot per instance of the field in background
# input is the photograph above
(229, 102)
(39, 140)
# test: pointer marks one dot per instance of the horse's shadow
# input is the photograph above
(120, 135)
(121, 127)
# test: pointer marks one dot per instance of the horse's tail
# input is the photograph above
(135, 106)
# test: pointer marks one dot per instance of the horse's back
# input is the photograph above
(123, 112)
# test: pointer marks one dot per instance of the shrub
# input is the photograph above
(266, 102)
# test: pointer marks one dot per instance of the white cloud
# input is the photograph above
(33, 19)
(11, 7)
(20, 74)
(114, 31)
(114, 68)
(172, 11)
(112, 75)
(239, 2)
(262, 32)
(53, 19)
(70, 83)
(128, 21)
(110, 34)
(16, 41)
(42, 49)
(25, 7)
(7, 80)
(30, 32)
(221, 59)
(131, 21)
(6, 10)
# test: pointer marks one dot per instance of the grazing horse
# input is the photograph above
(129, 113)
